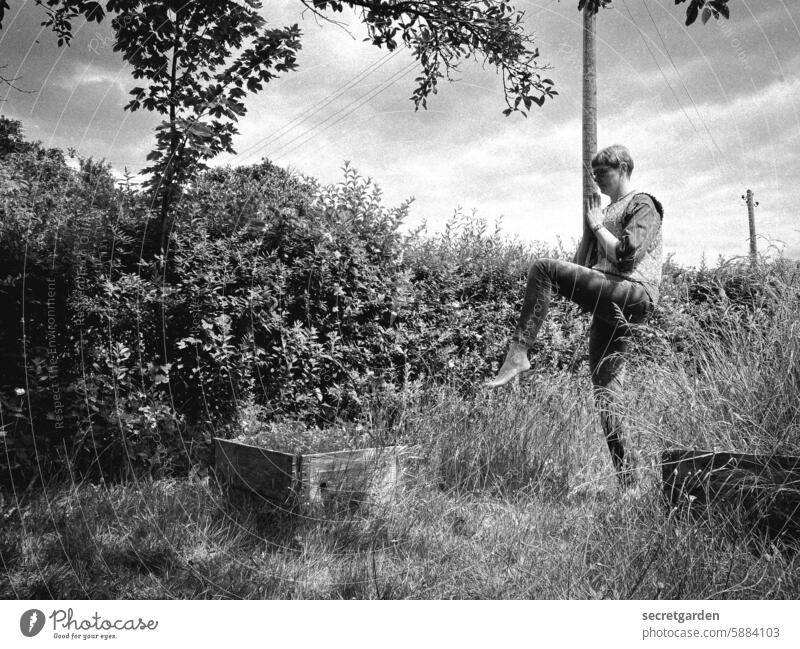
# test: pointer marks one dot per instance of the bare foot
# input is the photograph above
(516, 362)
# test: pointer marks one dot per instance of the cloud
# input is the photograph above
(90, 74)
(739, 129)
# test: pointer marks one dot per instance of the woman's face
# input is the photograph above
(608, 178)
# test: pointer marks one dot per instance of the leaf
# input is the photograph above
(706, 15)
(722, 7)
(200, 130)
(93, 11)
(691, 12)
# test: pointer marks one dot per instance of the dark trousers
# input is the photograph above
(613, 304)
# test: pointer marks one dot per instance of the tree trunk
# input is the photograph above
(167, 189)
(588, 247)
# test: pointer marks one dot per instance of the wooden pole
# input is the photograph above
(589, 116)
(751, 216)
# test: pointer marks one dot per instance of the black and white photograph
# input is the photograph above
(399, 300)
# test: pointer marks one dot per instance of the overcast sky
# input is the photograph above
(707, 112)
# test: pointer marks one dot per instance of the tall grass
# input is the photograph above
(516, 497)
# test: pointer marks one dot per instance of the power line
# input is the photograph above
(356, 103)
(313, 110)
(393, 80)
(369, 97)
(316, 108)
(658, 65)
(680, 77)
(301, 117)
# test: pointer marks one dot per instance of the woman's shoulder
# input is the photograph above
(648, 200)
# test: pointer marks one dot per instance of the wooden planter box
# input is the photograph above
(760, 492)
(313, 479)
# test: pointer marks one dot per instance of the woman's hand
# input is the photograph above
(594, 216)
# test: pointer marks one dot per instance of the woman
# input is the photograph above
(617, 282)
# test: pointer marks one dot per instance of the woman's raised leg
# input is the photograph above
(593, 291)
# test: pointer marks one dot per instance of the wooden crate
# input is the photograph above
(312, 479)
(759, 491)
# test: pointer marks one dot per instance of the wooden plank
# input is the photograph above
(350, 477)
(268, 473)
(760, 491)
(356, 476)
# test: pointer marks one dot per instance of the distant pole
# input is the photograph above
(751, 216)
(589, 110)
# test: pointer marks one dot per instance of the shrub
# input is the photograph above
(303, 303)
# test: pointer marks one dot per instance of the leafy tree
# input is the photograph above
(10, 136)
(709, 8)
(201, 59)
(184, 49)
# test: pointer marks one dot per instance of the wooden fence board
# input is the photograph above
(271, 474)
(352, 476)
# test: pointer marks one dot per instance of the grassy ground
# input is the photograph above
(182, 540)
(520, 503)
(516, 499)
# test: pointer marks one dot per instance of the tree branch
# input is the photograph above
(341, 25)
(10, 83)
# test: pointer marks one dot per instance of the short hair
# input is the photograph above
(613, 156)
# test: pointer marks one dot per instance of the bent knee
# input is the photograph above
(543, 266)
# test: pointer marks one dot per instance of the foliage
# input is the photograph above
(441, 34)
(468, 286)
(200, 60)
(306, 304)
(715, 8)
(710, 8)
(46, 211)
(61, 13)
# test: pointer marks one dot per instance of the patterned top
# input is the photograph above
(635, 219)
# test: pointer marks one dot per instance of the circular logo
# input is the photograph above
(31, 622)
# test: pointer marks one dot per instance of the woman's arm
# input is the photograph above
(580, 253)
(607, 243)
(586, 254)
(640, 226)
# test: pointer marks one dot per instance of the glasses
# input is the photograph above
(601, 171)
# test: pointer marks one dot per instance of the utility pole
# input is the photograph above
(751, 216)
(589, 114)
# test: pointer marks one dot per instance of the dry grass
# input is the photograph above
(516, 500)
(183, 540)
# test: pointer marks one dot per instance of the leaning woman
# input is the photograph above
(615, 278)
